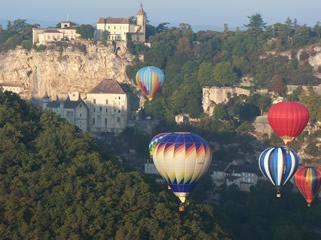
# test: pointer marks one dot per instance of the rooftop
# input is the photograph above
(108, 86)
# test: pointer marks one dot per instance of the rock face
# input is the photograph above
(57, 72)
(215, 95)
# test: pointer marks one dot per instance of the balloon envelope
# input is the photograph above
(182, 159)
(153, 142)
(278, 165)
(288, 119)
(150, 80)
(308, 180)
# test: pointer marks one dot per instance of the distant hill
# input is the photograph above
(42, 23)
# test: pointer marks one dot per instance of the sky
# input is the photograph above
(199, 12)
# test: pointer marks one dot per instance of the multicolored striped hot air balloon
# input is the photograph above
(278, 165)
(288, 119)
(308, 181)
(182, 158)
(153, 142)
(150, 80)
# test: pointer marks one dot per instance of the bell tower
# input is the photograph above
(141, 20)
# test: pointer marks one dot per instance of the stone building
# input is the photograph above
(47, 35)
(11, 86)
(75, 112)
(109, 108)
(121, 29)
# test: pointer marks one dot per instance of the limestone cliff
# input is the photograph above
(57, 71)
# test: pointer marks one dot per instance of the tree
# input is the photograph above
(279, 86)
(256, 25)
(162, 27)
(86, 31)
(224, 74)
(220, 112)
(205, 76)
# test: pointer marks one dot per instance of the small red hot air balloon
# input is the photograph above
(288, 119)
(308, 180)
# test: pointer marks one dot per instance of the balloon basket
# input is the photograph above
(181, 208)
(278, 195)
(309, 204)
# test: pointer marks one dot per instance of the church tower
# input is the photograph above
(141, 20)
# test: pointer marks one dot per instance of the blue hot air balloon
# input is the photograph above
(182, 158)
(150, 80)
(278, 165)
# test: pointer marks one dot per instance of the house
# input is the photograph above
(108, 107)
(122, 29)
(48, 35)
(11, 86)
(75, 112)
(244, 176)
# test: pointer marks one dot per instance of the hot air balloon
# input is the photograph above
(288, 119)
(182, 158)
(150, 80)
(153, 142)
(278, 165)
(308, 180)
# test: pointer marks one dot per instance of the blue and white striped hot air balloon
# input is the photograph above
(278, 165)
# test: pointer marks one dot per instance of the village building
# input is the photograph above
(244, 176)
(122, 29)
(12, 87)
(110, 108)
(75, 112)
(48, 35)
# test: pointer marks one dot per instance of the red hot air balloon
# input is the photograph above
(288, 119)
(308, 180)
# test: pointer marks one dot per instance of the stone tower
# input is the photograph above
(141, 20)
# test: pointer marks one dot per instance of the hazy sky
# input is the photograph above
(204, 12)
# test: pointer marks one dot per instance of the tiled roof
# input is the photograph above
(52, 31)
(11, 84)
(53, 104)
(111, 20)
(108, 86)
(73, 104)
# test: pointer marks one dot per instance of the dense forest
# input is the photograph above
(55, 183)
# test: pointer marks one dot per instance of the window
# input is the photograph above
(93, 121)
(106, 109)
(80, 115)
(106, 101)
(100, 108)
(114, 27)
(118, 119)
(94, 101)
(118, 97)
(118, 111)
(94, 110)
(80, 105)
(106, 121)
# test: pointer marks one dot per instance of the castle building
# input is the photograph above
(121, 29)
(47, 35)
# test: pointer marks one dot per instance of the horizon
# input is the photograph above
(201, 13)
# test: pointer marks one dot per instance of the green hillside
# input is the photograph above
(56, 184)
